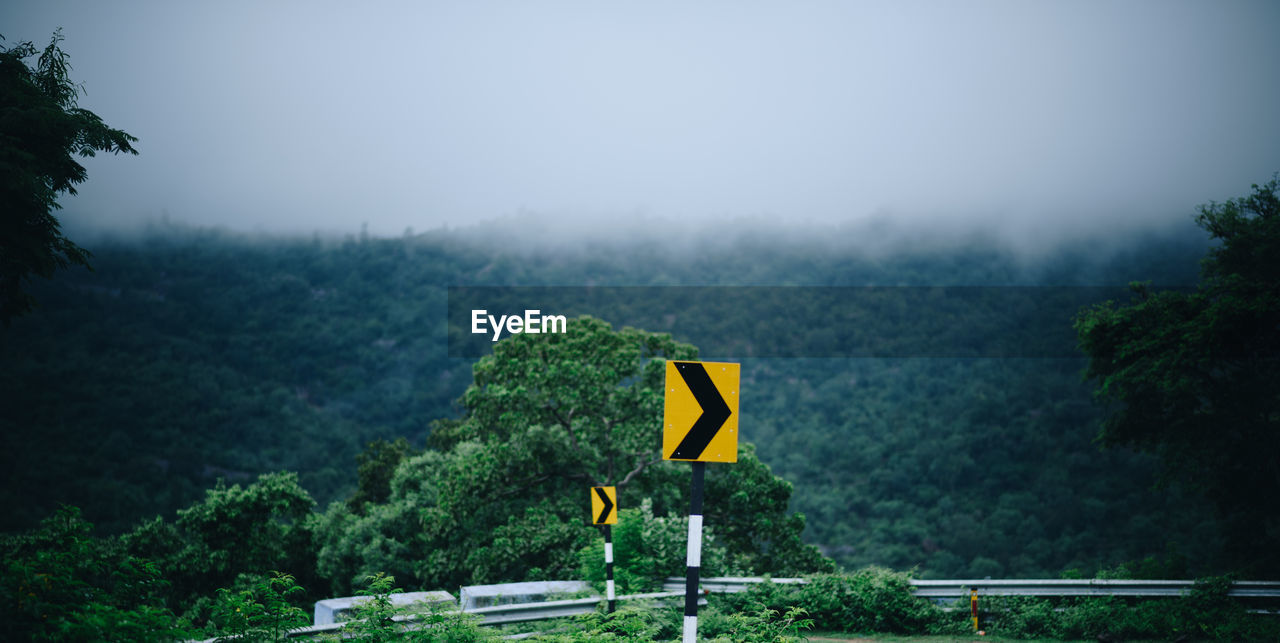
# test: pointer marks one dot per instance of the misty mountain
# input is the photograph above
(192, 355)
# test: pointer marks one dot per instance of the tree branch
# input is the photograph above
(523, 486)
(640, 466)
(573, 438)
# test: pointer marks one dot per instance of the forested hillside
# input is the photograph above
(189, 356)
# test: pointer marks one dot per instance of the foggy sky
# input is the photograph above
(1041, 117)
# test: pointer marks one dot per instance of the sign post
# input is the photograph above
(699, 425)
(604, 511)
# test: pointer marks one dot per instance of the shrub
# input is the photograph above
(762, 625)
(259, 612)
(59, 583)
(1205, 612)
(631, 622)
(646, 550)
(872, 599)
(375, 621)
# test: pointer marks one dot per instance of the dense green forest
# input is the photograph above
(189, 356)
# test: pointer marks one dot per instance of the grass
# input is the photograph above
(834, 637)
(819, 637)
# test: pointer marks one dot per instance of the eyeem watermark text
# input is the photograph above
(533, 321)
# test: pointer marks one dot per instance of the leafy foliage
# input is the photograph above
(59, 583)
(1207, 613)
(874, 600)
(571, 386)
(374, 470)
(375, 620)
(1195, 377)
(649, 622)
(871, 599)
(634, 621)
(41, 129)
(761, 626)
(500, 498)
(647, 550)
(748, 504)
(261, 612)
(235, 530)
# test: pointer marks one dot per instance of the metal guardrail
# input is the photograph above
(502, 614)
(524, 612)
(1017, 587)
(1082, 587)
(931, 589)
(724, 584)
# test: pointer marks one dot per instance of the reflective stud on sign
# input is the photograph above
(700, 412)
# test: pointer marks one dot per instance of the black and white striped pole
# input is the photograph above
(608, 568)
(693, 559)
(699, 425)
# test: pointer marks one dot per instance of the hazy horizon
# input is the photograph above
(1040, 120)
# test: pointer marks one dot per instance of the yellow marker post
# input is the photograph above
(973, 606)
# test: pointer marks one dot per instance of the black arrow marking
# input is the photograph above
(608, 505)
(714, 411)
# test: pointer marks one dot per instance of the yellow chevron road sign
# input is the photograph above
(700, 412)
(604, 505)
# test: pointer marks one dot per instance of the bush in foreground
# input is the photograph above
(1206, 612)
(872, 599)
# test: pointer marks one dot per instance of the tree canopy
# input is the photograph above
(598, 390)
(42, 129)
(1195, 376)
(502, 495)
(61, 584)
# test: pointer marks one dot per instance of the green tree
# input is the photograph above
(747, 504)
(234, 531)
(59, 583)
(1195, 376)
(596, 390)
(41, 130)
(375, 466)
(503, 494)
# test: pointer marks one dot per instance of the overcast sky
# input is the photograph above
(303, 116)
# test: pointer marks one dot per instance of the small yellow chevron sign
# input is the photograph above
(700, 412)
(604, 505)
